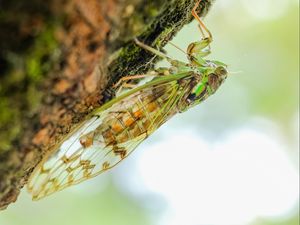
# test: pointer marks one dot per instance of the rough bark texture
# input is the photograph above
(58, 61)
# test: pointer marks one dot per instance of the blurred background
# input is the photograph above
(233, 160)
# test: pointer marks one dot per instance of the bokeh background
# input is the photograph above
(233, 160)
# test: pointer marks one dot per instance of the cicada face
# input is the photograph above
(210, 79)
(216, 78)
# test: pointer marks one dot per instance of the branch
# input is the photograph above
(77, 50)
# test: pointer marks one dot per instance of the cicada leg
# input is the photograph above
(125, 79)
(151, 49)
(201, 24)
(124, 82)
(199, 49)
(177, 66)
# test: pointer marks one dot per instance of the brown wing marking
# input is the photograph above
(78, 159)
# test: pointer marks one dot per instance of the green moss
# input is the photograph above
(36, 61)
(10, 125)
(128, 53)
(19, 94)
(33, 97)
(152, 10)
(163, 35)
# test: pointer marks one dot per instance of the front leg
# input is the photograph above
(152, 50)
(177, 66)
(127, 81)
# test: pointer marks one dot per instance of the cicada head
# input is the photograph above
(211, 76)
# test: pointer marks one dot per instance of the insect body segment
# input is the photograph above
(114, 130)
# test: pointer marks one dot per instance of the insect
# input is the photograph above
(115, 129)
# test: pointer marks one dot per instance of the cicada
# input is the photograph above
(114, 130)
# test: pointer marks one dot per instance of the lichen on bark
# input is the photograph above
(59, 62)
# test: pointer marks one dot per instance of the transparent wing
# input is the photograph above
(73, 163)
(95, 148)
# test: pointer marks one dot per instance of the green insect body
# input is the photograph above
(114, 130)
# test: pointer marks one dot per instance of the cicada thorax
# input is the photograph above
(189, 84)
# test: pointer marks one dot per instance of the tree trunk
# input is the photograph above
(58, 61)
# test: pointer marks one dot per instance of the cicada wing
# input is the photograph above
(73, 162)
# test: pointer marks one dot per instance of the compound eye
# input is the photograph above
(221, 71)
(213, 81)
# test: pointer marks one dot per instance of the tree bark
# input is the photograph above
(58, 61)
